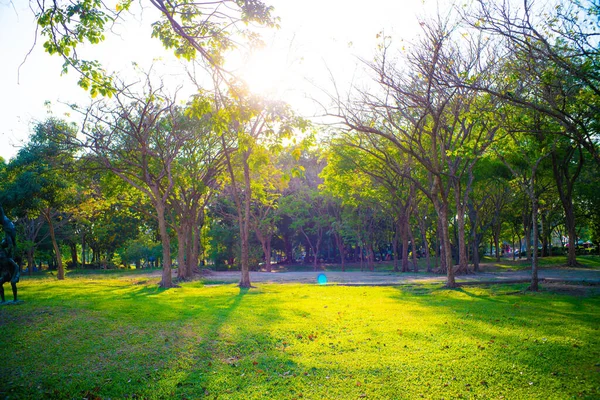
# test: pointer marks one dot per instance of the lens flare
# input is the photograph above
(322, 279)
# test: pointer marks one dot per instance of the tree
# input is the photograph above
(42, 184)
(551, 62)
(196, 170)
(189, 28)
(523, 155)
(423, 113)
(138, 137)
(249, 126)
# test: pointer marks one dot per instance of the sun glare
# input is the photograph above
(267, 72)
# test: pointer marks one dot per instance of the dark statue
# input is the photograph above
(9, 270)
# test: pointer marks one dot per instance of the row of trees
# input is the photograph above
(484, 129)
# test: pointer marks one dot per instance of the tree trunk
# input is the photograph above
(370, 257)
(60, 269)
(442, 210)
(167, 279)
(268, 254)
(476, 241)
(395, 248)
(30, 261)
(182, 239)
(244, 221)
(414, 249)
(265, 242)
(340, 245)
(316, 250)
(463, 258)
(404, 235)
(534, 265)
(440, 248)
(425, 243)
(497, 244)
(73, 248)
(82, 248)
(565, 185)
(527, 232)
(197, 243)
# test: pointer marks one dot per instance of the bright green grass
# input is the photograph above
(124, 338)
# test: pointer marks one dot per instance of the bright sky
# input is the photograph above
(318, 38)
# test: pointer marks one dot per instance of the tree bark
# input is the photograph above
(395, 248)
(340, 245)
(167, 279)
(414, 249)
(59, 264)
(442, 210)
(534, 264)
(182, 239)
(463, 258)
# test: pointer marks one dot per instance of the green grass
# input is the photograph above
(110, 337)
(490, 263)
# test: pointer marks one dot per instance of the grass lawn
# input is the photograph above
(490, 263)
(117, 336)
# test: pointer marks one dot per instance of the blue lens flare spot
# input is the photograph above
(322, 279)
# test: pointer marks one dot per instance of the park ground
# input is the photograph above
(116, 334)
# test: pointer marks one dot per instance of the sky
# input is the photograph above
(319, 40)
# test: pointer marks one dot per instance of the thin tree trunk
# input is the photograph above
(404, 236)
(30, 261)
(414, 249)
(423, 231)
(534, 265)
(340, 245)
(60, 269)
(395, 248)
(463, 258)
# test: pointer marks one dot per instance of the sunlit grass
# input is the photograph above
(105, 337)
(490, 263)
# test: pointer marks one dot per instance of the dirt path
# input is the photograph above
(578, 275)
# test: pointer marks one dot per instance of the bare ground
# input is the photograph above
(572, 276)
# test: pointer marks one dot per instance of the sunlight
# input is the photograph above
(267, 72)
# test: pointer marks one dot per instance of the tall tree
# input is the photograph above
(138, 137)
(248, 125)
(43, 183)
(424, 113)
